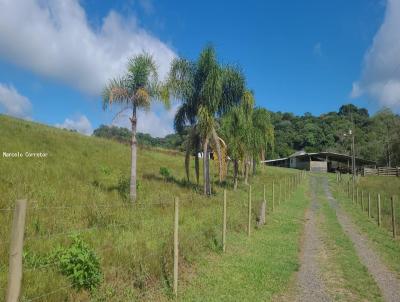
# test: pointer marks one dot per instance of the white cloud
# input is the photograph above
(14, 103)
(380, 79)
(157, 123)
(54, 39)
(80, 123)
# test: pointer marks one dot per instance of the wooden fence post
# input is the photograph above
(273, 195)
(280, 192)
(249, 214)
(16, 249)
(176, 245)
(348, 189)
(284, 189)
(362, 200)
(369, 205)
(224, 224)
(393, 218)
(288, 187)
(379, 209)
(357, 195)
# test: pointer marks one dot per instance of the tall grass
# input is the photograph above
(81, 188)
(374, 185)
(380, 237)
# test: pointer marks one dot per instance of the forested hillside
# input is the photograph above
(123, 135)
(377, 137)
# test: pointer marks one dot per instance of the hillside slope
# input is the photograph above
(81, 187)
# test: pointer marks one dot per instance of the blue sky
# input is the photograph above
(298, 56)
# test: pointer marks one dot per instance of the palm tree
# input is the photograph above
(207, 90)
(234, 133)
(262, 134)
(248, 107)
(134, 90)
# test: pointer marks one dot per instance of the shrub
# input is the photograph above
(123, 186)
(165, 173)
(79, 264)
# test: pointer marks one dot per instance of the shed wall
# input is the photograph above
(318, 166)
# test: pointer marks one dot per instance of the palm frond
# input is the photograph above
(233, 88)
(180, 120)
(180, 79)
(142, 71)
(116, 91)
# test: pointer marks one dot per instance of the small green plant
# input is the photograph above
(165, 173)
(123, 186)
(79, 264)
(35, 260)
(105, 170)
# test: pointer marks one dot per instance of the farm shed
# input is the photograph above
(320, 162)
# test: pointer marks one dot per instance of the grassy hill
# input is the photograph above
(81, 187)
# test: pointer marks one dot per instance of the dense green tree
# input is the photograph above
(376, 137)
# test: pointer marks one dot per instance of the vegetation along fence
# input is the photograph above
(58, 263)
(379, 206)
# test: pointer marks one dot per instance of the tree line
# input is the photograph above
(377, 136)
(123, 135)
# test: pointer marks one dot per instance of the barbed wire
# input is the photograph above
(77, 231)
(94, 205)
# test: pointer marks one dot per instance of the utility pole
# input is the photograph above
(353, 156)
(352, 151)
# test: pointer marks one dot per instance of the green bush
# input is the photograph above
(165, 173)
(79, 264)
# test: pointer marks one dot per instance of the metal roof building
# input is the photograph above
(320, 162)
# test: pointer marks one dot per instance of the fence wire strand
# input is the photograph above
(76, 232)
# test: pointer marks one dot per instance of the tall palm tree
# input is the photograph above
(234, 133)
(207, 90)
(134, 90)
(262, 134)
(248, 107)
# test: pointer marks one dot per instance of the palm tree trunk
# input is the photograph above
(133, 156)
(235, 173)
(206, 170)
(197, 167)
(219, 154)
(187, 162)
(246, 171)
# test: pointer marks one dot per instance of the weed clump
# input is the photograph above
(79, 264)
(166, 174)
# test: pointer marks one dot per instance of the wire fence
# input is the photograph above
(379, 206)
(150, 243)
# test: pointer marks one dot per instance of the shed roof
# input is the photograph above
(332, 155)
